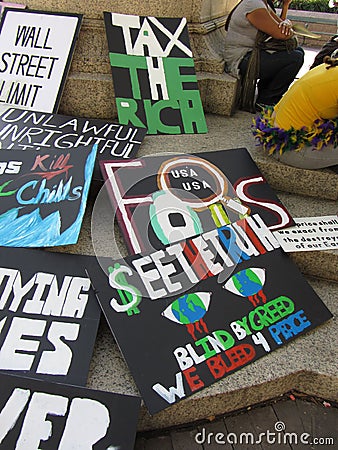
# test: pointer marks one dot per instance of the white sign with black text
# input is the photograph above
(35, 55)
(309, 234)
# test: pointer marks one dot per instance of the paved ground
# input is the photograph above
(310, 54)
(283, 424)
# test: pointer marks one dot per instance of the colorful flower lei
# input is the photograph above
(278, 140)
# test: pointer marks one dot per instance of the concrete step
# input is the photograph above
(218, 92)
(306, 364)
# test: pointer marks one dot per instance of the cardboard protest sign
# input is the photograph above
(32, 130)
(36, 414)
(153, 72)
(36, 48)
(309, 234)
(43, 196)
(161, 199)
(193, 312)
(49, 315)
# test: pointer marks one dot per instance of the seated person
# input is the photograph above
(277, 69)
(302, 129)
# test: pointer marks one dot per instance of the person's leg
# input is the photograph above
(277, 71)
(307, 158)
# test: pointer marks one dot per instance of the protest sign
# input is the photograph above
(309, 234)
(36, 414)
(193, 312)
(43, 196)
(36, 49)
(49, 315)
(32, 130)
(153, 72)
(161, 199)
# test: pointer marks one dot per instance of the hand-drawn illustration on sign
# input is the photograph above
(36, 49)
(37, 414)
(154, 76)
(49, 315)
(162, 199)
(43, 196)
(193, 312)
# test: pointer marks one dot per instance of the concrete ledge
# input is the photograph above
(218, 92)
(322, 183)
(208, 50)
(88, 95)
(318, 264)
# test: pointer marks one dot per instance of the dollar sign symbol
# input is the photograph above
(129, 295)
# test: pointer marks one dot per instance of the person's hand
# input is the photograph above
(286, 27)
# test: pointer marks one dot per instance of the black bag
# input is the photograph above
(268, 43)
(328, 48)
(248, 82)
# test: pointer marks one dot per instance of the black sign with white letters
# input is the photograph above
(35, 414)
(33, 130)
(49, 315)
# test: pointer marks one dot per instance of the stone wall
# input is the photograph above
(89, 88)
(323, 24)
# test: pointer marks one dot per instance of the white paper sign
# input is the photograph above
(35, 54)
(309, 234)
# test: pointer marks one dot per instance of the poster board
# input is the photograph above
(182, 325)
(38, 414)
(160, 199)
(36, 49)
(33, 130)
(49, 315)
(310, 234)
(43, 196)
(153, 72)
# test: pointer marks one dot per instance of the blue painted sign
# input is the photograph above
(43, 196)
